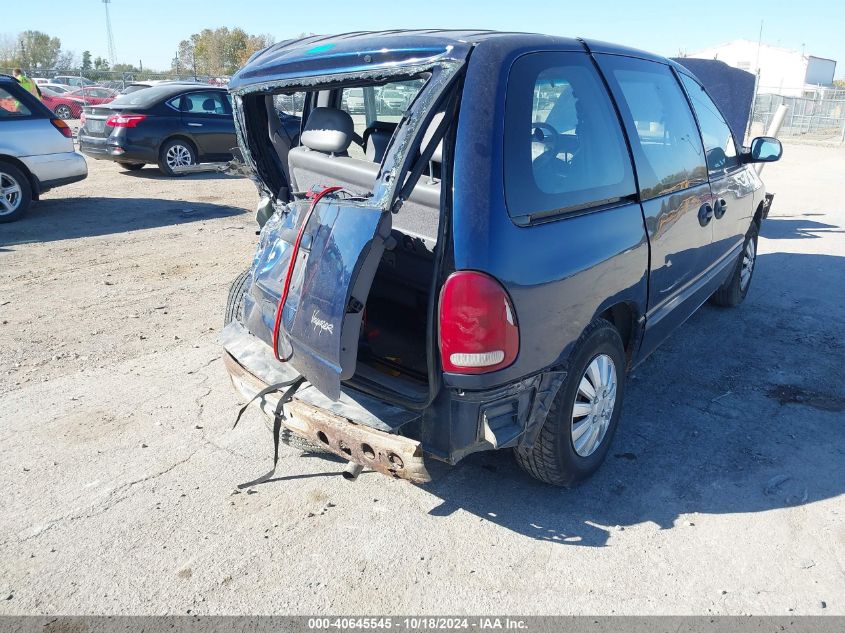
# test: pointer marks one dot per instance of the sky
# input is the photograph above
(149, 31)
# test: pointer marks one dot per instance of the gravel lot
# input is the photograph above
(723, 492)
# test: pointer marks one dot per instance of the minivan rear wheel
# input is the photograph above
(583, 418)
(15, 193)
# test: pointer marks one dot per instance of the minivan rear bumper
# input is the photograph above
(366, 430)
(386, 453)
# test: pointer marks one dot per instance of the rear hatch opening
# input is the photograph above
(392, 165)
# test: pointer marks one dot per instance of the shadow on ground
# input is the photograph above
(63, 219)
(742, 410)
(151, 172)
(796, 227)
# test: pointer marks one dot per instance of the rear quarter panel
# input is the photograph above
(560, 274)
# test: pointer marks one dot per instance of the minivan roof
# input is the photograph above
(320, 55)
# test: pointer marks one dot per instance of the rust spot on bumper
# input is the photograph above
(386, 453)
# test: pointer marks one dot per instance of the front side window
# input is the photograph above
(563, 147)
(10, 106)
(718, 140)
(668, 150)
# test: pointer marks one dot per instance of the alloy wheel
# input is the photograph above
(593, 406)
(748, 257)
(10, 194)
(63, 112)
(178, 156)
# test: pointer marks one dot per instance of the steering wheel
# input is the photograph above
(548, 136)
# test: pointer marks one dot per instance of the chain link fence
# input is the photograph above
(819, 118)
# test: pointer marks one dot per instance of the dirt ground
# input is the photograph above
(723, 492)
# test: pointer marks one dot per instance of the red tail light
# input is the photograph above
(81, 119)
(62, 127)
(478, 330)
(125, 120)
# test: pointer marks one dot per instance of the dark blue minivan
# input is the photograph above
(480, 268)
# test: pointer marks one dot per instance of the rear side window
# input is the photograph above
(203, 103)
(10, 106)
(718, 140)
(563, 148)
(669, 153)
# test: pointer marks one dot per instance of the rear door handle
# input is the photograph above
(195, 124)
(719, 208)
(705, 214)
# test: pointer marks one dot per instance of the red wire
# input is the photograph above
(291, 264)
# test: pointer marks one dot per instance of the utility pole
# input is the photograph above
(109, 32)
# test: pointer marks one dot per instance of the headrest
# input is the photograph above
(437, 156)
(328, 130)
(187, 104)
(209, 105)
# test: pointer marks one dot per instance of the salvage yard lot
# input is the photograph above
(722, 494)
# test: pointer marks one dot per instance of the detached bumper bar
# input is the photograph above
(387, 453)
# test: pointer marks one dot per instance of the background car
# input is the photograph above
(36, 150)
(62, 105)
(135, 86)
(93, 95)
(172, 125)
(56, 88)
(72, 80)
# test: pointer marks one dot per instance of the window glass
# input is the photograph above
(564, 147)
(290, 105)
(669, 153)
(203, 103)
(718, 140)
(10, 106)
(385, 104)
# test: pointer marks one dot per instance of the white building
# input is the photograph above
(782, 71)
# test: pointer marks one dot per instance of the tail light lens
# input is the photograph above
(62, 127)
(478, 330)
(125, 120)
(81, 119)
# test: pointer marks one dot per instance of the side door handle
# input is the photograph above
(705, 214)
(719, 208)
(195, 124)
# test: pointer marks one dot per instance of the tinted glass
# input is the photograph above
(718, 139)
(10, 106)
(564, 147)
(668, 148)
(203, 103)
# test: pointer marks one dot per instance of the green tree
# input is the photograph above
(39, 50)
(86, 61)
(213, 52)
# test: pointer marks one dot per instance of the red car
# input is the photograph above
(92, 95)
(62, 105)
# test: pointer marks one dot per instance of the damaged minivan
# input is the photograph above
(473, 237)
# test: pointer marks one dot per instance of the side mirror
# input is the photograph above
(764, 149)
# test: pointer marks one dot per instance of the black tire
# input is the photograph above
(553, 458)
(185, 145)
(63, 112)
(11, 176)
(234, 311)
(131, 166)
(732, 292)
(235, 302)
